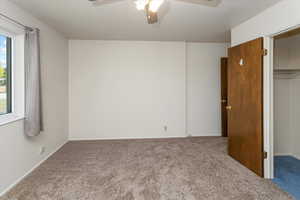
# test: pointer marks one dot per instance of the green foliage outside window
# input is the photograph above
(2, 76)
(2, 72)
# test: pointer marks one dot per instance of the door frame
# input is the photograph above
(268, 102)
(224, 132)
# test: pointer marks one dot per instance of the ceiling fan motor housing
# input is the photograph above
(151, 16)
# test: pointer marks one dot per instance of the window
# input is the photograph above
(12, 79)
(5, 75)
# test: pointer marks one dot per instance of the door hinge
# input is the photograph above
(265, 155)
(265, 52)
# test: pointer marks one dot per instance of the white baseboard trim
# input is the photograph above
(126, 138)
(31, 170)
(142, 138)
(211, 134)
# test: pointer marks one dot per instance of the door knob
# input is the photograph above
(228, 107)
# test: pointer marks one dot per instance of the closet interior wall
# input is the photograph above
(287, 96)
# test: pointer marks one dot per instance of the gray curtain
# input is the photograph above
(33, 104)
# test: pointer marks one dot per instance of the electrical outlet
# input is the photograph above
(166, 128)
(42, 150)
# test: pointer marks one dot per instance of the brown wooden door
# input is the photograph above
(224, 62)
(245, 104)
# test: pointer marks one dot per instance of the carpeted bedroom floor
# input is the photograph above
(160, 169)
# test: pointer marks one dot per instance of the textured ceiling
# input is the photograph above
(178, 21)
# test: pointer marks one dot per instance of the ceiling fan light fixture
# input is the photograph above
(155, 5)
(141, 4)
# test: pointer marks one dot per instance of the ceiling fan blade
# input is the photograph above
(210, 3)
(104, 2)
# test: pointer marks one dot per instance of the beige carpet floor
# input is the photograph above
(162, 169)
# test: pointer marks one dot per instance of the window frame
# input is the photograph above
(9, 67)
(16, 77)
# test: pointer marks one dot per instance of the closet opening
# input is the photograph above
(286, 113)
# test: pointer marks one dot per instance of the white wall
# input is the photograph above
(19, 154)
(286, 117)
(203, 88)
(281, 16)
(287, 53)
(122, 89)
(282, 117)
(295, 115)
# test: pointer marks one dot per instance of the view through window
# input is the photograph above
(5, 75)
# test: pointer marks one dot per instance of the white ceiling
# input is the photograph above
(179, 21)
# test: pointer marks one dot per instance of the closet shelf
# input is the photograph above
(286, 71)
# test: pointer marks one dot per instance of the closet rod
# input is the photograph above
(16, 22)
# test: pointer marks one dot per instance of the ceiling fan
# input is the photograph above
(151, 7)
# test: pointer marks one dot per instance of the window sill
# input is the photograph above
(9, 118)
